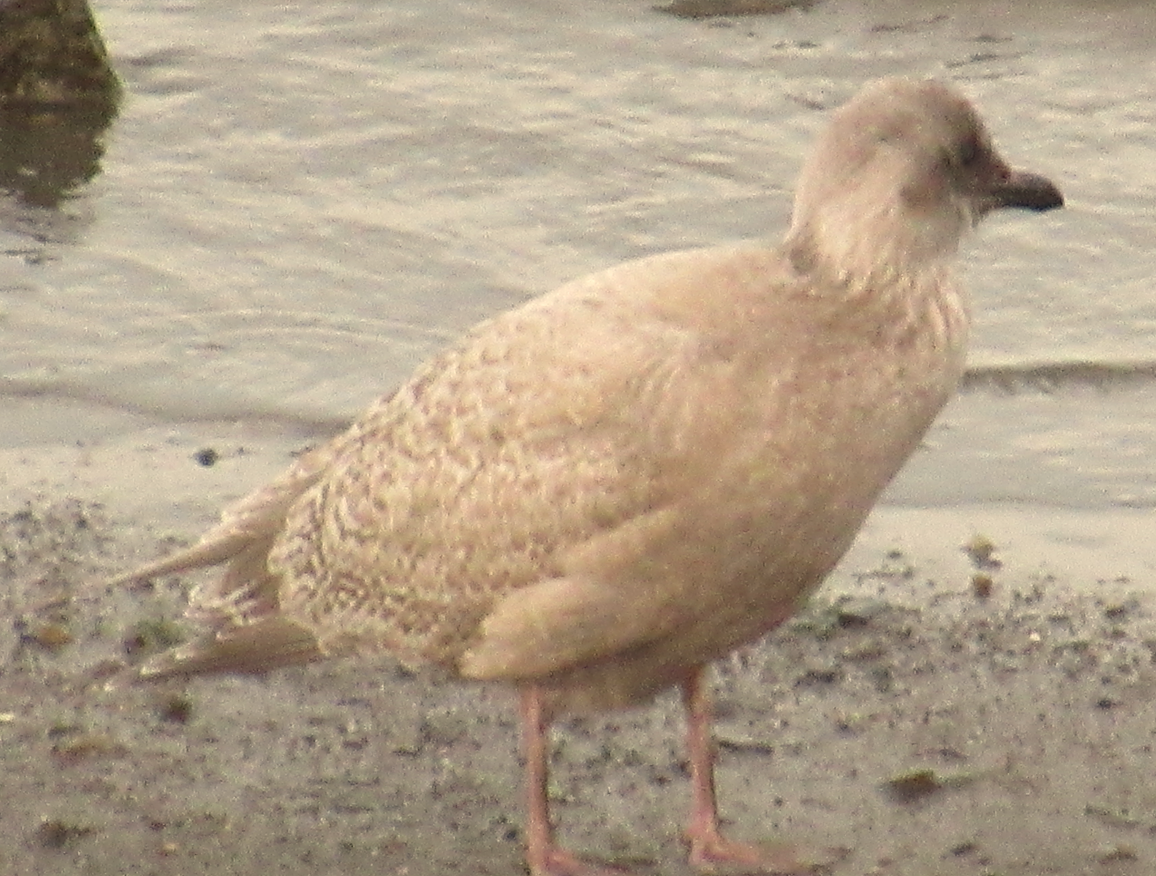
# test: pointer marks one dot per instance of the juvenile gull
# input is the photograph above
(595, 495)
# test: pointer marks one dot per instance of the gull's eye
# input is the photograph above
(964, 155)
(969, 152)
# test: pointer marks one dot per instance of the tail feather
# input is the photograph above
(209, 552)
(269, 643)
(256, 518)
(243, 603)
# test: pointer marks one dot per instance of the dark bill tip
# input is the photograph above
(1028, 191)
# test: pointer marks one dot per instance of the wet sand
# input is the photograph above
(925, 727)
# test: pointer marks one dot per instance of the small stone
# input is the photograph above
(981, 551)
(914, 785)
(982, 585)
(206, 456)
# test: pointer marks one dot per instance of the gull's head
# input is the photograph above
(902, 172)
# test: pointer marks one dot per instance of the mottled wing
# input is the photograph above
(553, 454)
(476, 478)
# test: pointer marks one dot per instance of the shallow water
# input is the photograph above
(298, 202)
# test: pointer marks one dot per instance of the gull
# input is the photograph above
(595, 495)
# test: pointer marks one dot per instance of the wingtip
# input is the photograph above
(270, 643)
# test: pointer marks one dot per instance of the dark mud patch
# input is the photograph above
(699, 9)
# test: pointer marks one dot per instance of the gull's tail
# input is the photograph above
(242, 606)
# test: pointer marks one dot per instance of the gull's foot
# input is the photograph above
(714, 853)
(559, 862)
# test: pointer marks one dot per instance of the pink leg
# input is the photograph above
(709, 849)
(542, 855)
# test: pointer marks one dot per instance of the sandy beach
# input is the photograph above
(908, 718)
